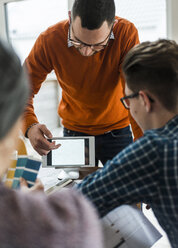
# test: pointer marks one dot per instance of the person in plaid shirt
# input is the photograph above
(146, 170)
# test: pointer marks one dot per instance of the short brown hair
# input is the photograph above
(153, 66)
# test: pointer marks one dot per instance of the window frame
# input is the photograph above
(4, 19)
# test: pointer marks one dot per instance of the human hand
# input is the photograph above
(37, 135)
(38, 186)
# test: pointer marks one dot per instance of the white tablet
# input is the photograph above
(74, 152)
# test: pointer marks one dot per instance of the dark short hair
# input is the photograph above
(94, 12)
(13, 89)
(153, 66)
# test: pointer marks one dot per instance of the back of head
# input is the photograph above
(13, 89)
(153, 66)
(94, 12)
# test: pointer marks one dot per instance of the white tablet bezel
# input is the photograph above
(91, 163)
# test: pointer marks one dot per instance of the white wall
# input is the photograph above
(172, 19)
(2, 22)
(70, 3)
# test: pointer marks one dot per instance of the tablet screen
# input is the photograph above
(73, 152)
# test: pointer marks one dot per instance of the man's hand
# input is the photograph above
(38, 186)
(37, 135)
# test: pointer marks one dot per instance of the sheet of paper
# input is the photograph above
(127, 227)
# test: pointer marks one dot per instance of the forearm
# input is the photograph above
(29, 117)
(125, 179)
(92, 188)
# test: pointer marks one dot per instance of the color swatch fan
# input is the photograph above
(26, 167)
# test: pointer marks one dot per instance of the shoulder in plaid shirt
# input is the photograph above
(145, 171)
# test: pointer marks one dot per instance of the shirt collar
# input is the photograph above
(69, 43)
(170, 126)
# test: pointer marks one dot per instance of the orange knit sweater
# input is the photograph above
(91, 86)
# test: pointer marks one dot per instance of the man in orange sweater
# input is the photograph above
(86, 53)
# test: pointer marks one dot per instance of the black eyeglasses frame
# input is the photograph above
(130, 97)
(83, 44)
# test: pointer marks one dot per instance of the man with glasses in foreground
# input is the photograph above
(86, 53)
(147, 170)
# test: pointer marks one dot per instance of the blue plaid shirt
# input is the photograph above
(145, 171)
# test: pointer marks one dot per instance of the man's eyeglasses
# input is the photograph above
(95, 47)
(125, 100)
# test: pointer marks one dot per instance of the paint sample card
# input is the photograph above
(10, 173)
(31, 171)
(20, 166)
(28, 169)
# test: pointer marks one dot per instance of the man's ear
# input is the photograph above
(69, 15)
(145, 100)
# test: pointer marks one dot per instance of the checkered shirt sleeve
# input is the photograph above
(130, 176)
